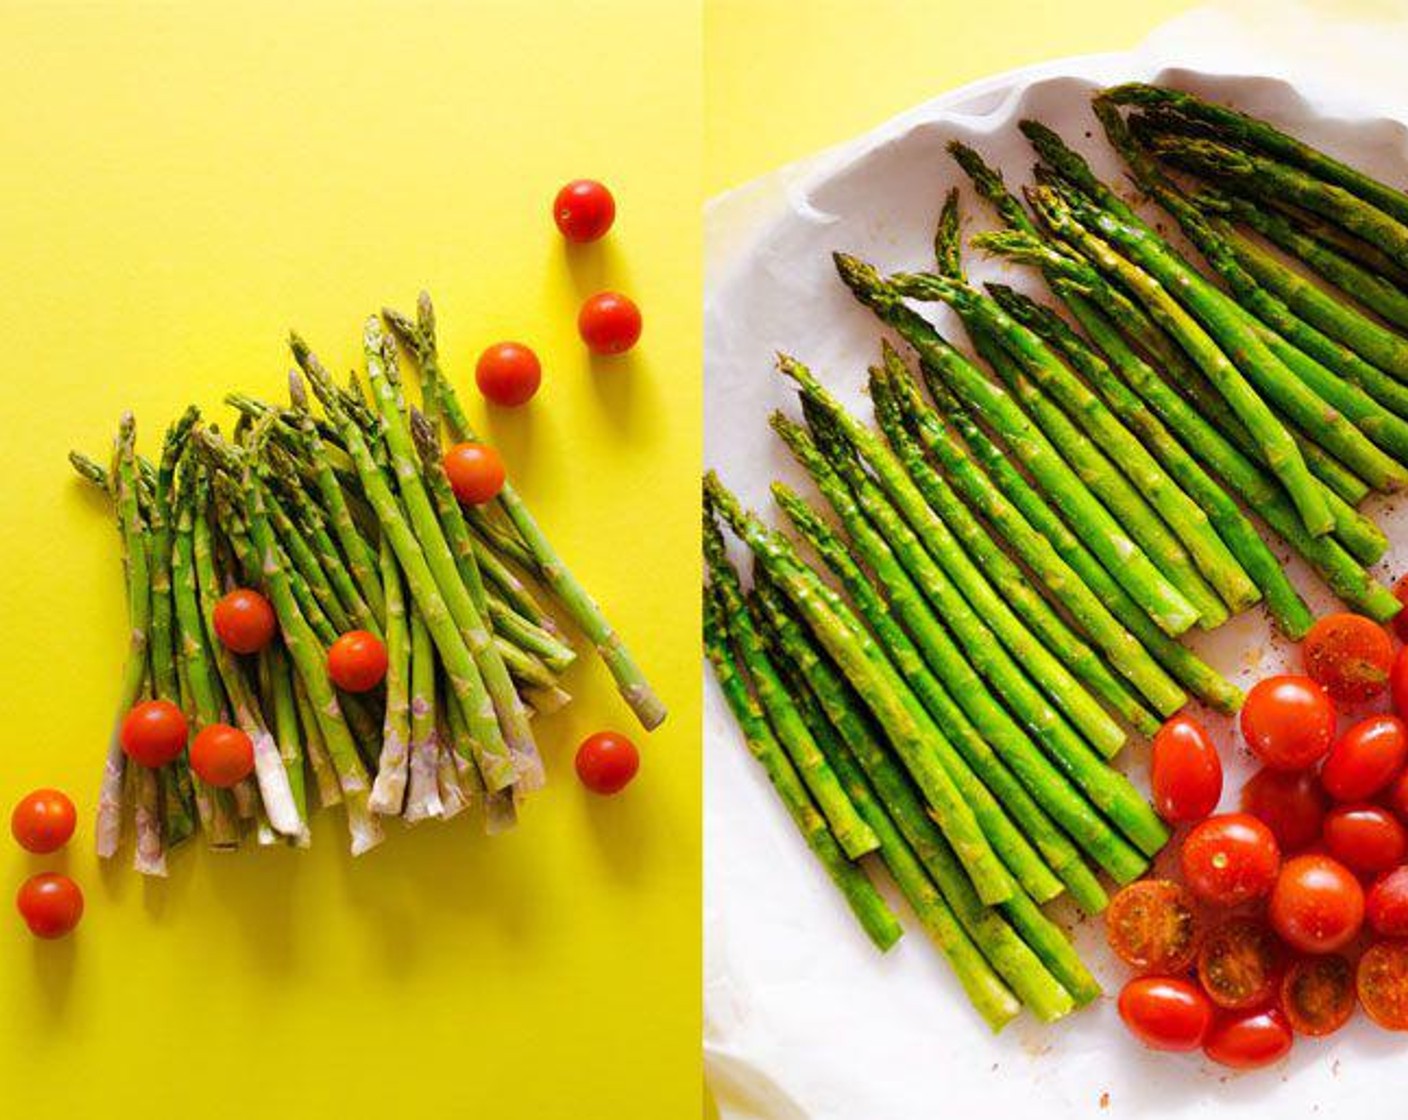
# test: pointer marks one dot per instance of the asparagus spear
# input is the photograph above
(866, 666)
(1055, 679)
(319, 762)
(276, 682)
(1043, 783)
(1120, 555)
(875, 917)
(419, 337)
(1033, 956)
(842, 817)
(389, 788)
(423, 798)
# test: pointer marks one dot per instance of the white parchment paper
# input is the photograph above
(803, 1017)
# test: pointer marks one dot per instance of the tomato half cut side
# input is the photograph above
(1151, 926)
(1239, 964)
(1317, 994)
(1382, 983)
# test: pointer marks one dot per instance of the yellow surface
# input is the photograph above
(179, 185)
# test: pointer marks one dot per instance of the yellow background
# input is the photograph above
(180, 184)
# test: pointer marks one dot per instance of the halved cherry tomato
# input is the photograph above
(1239, 964)
(1187, 774)
(609, 323)
(1249, 1039)
(475, 471)
(1317, 994)
(1164, 1013)
(1400, 620)
(1365, 838)
(1386, 907)
(1289, 802)
(50, 904)
(153, 733)
(1229, 859)
(508, 374)
(221, 755)
(1382, 982)
(1349, 656)
(1288, 722)
(1317, 905)
(1151, 926)
(43, 821)
(244, 621)
(583, 210)
(357, 661)
(1366, 758)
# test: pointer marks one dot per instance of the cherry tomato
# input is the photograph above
(508, 374)
(1400, 620)
(1365, 758)
(1164, 1013)
(1397, 796)
(476, 472)
(50, 904)
(584, 210)
(1249, 1039)
(1398, 682)
(606, 762)
(1289, 802)
(244, 621)
(43, 821)
(1151, 926)
(1365, 838)
(1288, 722)
(221, 755)
(609, 323)
(1317, 905)
(1317, 994)
(1187, 774)
(357, 661)
(153, 733)
(1386, 907)
(1239, 964)
(1382, 982)
(1229, 859)
(1349, 656)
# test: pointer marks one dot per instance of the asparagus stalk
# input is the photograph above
(875, 917)
(419, 337)
(389, 788)
(319, 762)
(1053, 676)
(423, 797)
(276, 681)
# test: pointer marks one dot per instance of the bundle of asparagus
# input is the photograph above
(1021, 552)
(345, 521)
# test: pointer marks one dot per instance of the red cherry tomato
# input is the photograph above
(1239, 964)
(1249, 1039)
(1396, 796)
(1164, 1013)
(1400, 620)
(508, 374)
(1349, 656)
(1317, 994)
(584, 210)
(1187, 774)
(1151, 926)
(43, 821)
(609, 323)
(1229, 859)
(1317, 905)
(1386, 907)
(1365, 838)
(475, 471)
(1288, 722)
(221, 755)
(606, 762)
(50, 904)
(244, 621)
(1382, 983)
(153, 733)
(357, 661)
(1366, 758)
(1289, 802)
(1398, 682)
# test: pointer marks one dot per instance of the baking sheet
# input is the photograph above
(803, 1017)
